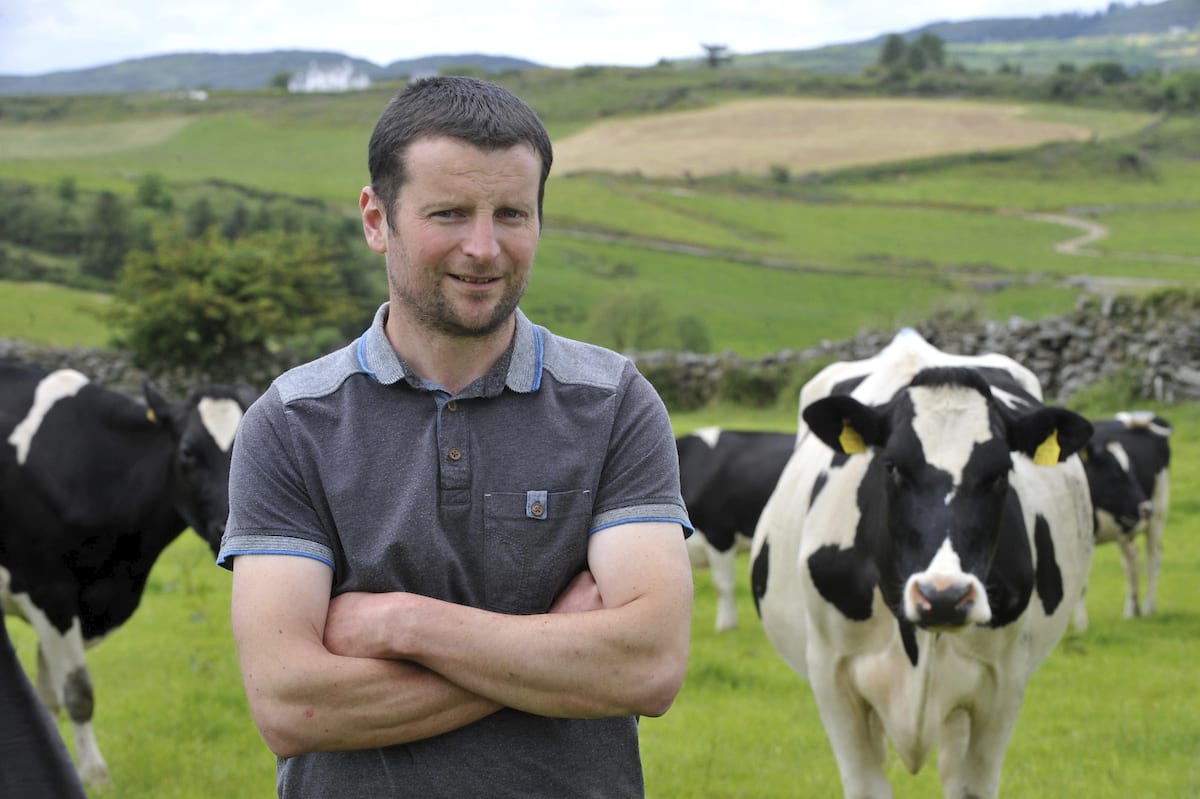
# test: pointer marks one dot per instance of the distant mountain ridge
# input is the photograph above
(244, 71)
(186, 71)
(1118, 20)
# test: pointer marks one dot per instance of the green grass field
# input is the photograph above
(51, 314)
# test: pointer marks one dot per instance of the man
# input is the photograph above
(458, 567)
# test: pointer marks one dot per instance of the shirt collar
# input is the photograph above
(525, 361)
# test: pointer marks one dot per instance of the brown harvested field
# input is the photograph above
(802, 135)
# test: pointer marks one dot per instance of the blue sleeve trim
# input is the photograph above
(227, 556)
(638, 519)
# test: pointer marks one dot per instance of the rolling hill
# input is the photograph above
(1163, 35)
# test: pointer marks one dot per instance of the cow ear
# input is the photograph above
(246, 394)
(1050, 435)
(158, 408)
(845, 424)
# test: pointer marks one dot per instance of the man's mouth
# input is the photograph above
(478, 281)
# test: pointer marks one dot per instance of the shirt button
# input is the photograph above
(538, 509)
(452, 406)
(455, 454)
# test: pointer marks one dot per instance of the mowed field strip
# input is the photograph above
(802, 135)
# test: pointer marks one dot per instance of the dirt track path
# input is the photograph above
(1092, 232)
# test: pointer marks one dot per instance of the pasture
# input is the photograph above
(1113, 713)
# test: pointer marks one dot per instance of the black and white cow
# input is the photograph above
(93, 487)
(921, 555)
(726, 477)
(1127, 462)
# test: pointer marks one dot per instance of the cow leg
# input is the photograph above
(724, 576)
(63, 675)
(854, 732)
(1129, 556)
(1154, 542)
(1080, 619)
(973, 770)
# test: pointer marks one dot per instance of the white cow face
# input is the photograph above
(937, 490)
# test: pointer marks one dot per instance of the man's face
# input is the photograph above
(463, 235)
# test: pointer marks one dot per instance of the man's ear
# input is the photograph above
(374, 220)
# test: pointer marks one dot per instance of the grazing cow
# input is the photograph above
(726, 477)
(93, 486)
(921, 555)
(1127, 462)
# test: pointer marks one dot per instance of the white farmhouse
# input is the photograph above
(333, 78)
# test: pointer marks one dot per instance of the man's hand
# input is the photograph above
(357, 624)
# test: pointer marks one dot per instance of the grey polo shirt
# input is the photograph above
(485, 498)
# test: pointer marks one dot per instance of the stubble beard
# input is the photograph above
(436, 313)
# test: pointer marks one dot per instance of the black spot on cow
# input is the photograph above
(758, 575)
(908, 637)
(844, 580)
(1010, 579)
(847, 386)
(818, 484)
(1049, 578)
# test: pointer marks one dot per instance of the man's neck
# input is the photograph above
(453, 362)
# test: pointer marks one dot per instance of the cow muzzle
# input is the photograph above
(945, 603)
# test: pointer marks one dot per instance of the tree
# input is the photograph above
(891, 54)
(932, 48)
(237, 223)
(200, 217)
(218, 305)
(716, 54)
(107, 237)
(152, 192)
(68, 191)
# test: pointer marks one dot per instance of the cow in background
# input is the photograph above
(921, 555)
(726, 477)
(93, 487)
(1127, 463)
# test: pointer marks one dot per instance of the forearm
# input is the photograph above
(312, 700)
(306, 698)
(627, 660)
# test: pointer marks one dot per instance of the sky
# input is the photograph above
(40, 36)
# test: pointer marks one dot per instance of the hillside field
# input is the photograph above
(807, 253)
(809, 135)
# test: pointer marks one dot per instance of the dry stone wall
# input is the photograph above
(1154, 341)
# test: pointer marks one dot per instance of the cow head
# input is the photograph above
(937, 487)
(1117, 497)
(202, 429)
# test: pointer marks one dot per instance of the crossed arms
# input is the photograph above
(368, 670)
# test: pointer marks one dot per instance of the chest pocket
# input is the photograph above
(534, 543)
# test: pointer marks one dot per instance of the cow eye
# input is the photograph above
(189, 458)
(997, 482)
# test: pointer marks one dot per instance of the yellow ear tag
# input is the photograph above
(851, 441)
(1047, 453)
(150, 415)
